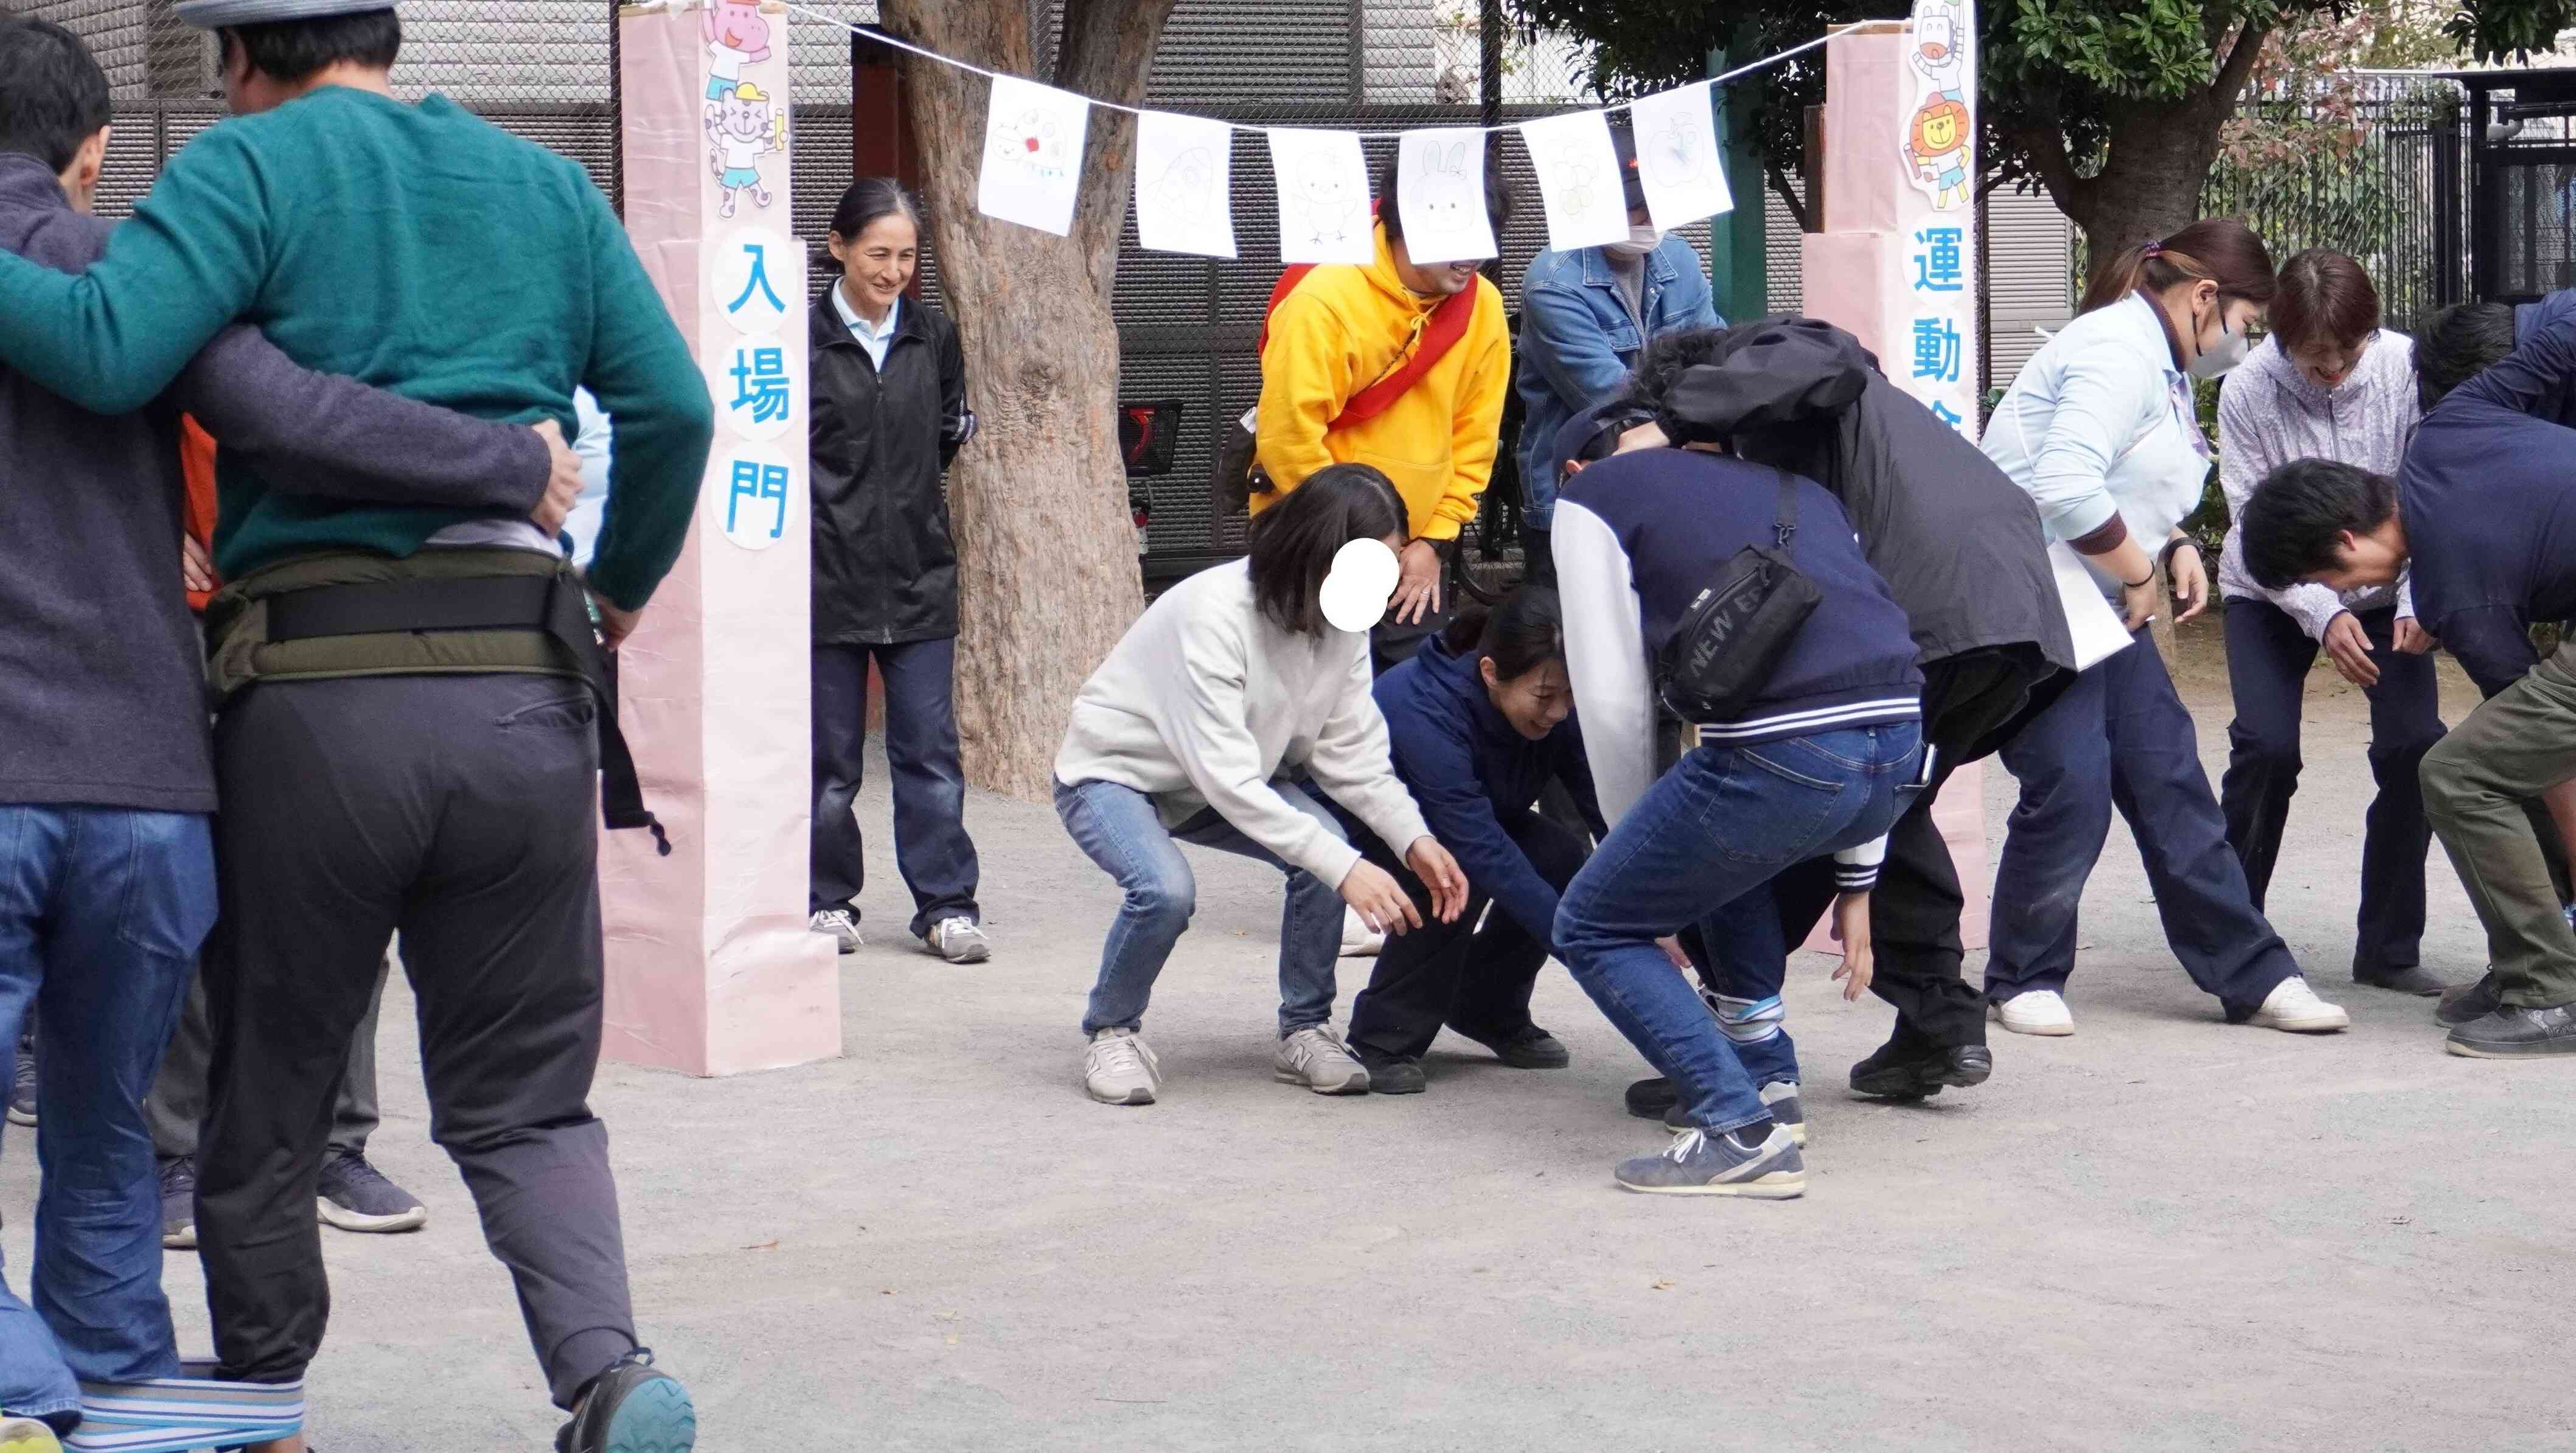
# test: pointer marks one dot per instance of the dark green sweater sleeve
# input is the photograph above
(644, 376)
(189, 262)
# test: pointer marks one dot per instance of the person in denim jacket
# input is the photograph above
(1586, 315)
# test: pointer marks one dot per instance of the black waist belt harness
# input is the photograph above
(400, 611)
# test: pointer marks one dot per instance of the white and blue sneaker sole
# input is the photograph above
(1778, 1185)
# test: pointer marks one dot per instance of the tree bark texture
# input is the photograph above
(1046, 545)
(2159, 157)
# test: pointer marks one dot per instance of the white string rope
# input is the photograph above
(882, 38)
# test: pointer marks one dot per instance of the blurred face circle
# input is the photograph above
(2329, 362)
(1535, 702)
(1361, 582)
(878, 264)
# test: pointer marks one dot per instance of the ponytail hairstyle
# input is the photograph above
(1523, 633)
(2219, 249)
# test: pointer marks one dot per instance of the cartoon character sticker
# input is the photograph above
(743, 127)
(1942, 128)
(737, 35)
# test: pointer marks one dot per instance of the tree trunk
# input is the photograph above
(1046, 544)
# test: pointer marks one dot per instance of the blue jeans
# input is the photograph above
(931, 848)
(2119, 737)
(1748, 957)
(1721, 824)
(1121, 831)
(101, 914)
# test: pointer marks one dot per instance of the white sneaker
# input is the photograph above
(842, 925)
(1120, 1068)
(960, 940)
(2295, 1007)
(2038, 1011)
(1316, 1059)
(1359, 941)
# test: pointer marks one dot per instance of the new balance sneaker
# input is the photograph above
(1120, 1069)
(842, 925)
(1703, 1164)
(631, 1408)
(1359, 941)
(2294, 1007)
(22, 1086)
(960, 940)
(179, 1204)
(1316, 1058)
(357, 1197)
(2036, 1011)
(27, 1435)
(2471, 1002)
(2516, 1032)
(1780, 1097)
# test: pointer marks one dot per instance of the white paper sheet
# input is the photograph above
(2089, 618)
(1578, 176)
(1323, 196)
(1184, 184)
(1440, 193)
(1033, 140)
(1678, 161)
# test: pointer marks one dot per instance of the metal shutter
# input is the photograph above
(2030, 252)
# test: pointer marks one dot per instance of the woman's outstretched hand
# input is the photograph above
(1441, 874)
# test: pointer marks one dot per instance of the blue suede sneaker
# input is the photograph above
(1704, 1164)
(631, 1408)
(1780, 1097)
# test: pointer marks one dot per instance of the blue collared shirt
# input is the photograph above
(875, 339)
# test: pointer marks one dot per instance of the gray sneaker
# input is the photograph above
(1780, 1097)
(1703, 1164)
(960, 940)
(357, 1197)
(842, 925)
(1317, 1059)
(1120, 1068)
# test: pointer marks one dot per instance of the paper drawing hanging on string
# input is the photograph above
(1323, 197)
(1184, 184)
(1941, 132)
(1440, 193)
(1578, 179)
(744, 126)
(1033, 143)
(737, 35)
(1678, 165)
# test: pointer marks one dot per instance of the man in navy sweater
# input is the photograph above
(2482, 521)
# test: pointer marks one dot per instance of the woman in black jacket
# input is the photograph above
(889, 388)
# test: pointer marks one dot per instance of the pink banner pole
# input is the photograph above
(710, 967)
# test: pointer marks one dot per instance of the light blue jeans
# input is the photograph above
(1121, 831)
(101, 914)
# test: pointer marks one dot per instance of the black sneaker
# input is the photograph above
(1652, 1099)
(631, 1408)
(179, 1204)
(2471, 1002)
(22, 1087)
(2514, 1032)
(1392, 1076)
(2403, 979)
(1526, 1048)
(357, 1197)
(1899, 1073)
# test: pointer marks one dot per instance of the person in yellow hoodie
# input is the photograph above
(1399, 366)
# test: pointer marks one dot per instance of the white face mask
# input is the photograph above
(1641, 240)
(2222, 359)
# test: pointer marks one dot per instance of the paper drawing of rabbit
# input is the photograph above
(1448, 194)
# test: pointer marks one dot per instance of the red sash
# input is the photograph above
(1447, 326)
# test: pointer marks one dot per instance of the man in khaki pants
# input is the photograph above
(2479, 523)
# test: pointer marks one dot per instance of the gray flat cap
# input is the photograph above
(208, 14)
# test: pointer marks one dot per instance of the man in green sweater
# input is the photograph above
(407, 743)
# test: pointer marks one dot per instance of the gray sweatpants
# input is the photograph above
(462, 811)
(177, 1105)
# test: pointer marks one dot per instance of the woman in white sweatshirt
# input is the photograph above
(1227, 703)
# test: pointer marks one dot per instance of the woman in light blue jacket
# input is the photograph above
(2102, 429)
